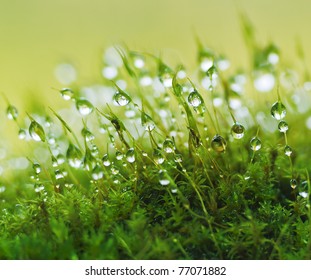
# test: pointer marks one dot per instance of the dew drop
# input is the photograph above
(278, 110)
(22, 134)
(88, 135)
(283, 126)
(178, 158)
(11, 112)
(67, 93)
(164, 182)
(293, 183)
(147, 122)
(166, 79)
(168, 146)
(39, 188)
(37, 168)
(36, 131)
(74, 156)
(157, 156)
(121, 98)
(237, 131)
(97, 173)
(89, 161)
(130, 155)
(114, 170)
(84, 107)
(59, 174)
(247, 176)
(255, 143)
(288, 151)
(163, 179)
(195, 99)
(106, 160)
(119, 155)
(219, 144)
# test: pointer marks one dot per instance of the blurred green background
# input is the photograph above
(36, 35)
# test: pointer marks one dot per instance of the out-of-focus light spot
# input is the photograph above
(273, 58)
(264, 82)
(217, 101)
(308, 123)
(110, 72)
(206, 64)
(18, 163)
(65, 73)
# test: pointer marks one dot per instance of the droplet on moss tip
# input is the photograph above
(12, 112)
(130, 155)
(288, 150)
(84, 107)
(237, 131)
(36, 131)
(283, 126)
(255, 143)
(278, 110)
(293, 183)
(121, 98)
(219, 144)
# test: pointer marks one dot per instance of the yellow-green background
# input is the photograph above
(36, 35)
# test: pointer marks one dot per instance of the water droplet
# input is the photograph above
(114, 170)
(67, 93)
(84, 107)
(60, 159)
(37, 168)
(164, 182)
(255, 143)
(147, 122)
(74, 156)
(59, 174)
(219, 144)
(166, 79)
(97, 173)
(283, 126)
(288, 150)
(22, 134)
(303, 194)
(195, 99)
(121, 98)
(106, 160)
(54, 161)
(36, 131)
(157, 156)
(247, 176)
(293, 183)
(237, 130)
(130, 155)
(278, 110)
(168, 146)
(11, 112)
(88, 135)
(89, 161)
(178, 158)
(163, 179)
(119, 155)
(39, 187)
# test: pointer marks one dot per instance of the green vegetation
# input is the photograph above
(153, 162)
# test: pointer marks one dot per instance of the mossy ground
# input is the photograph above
(119, 191)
